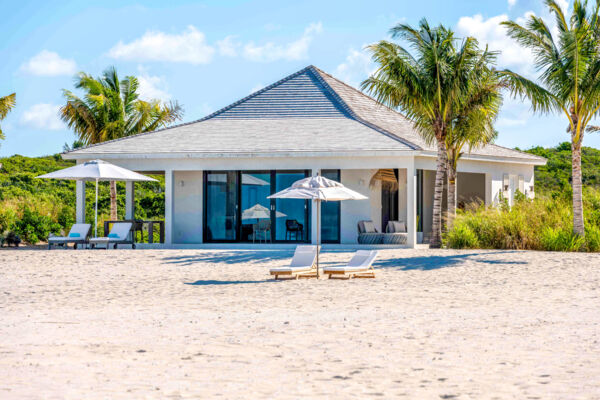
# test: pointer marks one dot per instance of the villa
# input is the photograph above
(220, 169)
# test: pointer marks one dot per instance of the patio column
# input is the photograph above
(168, 207)
(313, 216)
(411, 204)
(129, 200)
(80, 202)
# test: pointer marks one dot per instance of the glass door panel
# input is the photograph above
(290, 214)
(330, 213)
(221, 206)
(256, 208)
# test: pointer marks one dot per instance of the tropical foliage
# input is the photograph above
(569, 65)
(7, 103)
(111, 109)
(442, 84)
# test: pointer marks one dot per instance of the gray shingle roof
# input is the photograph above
(308, 111)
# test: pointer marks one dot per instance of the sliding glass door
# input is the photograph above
(236, 207)
(291, 214)
(221, 206)
(330, 212)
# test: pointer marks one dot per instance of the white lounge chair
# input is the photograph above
(77, 235)
(302, 265)
(360, 266)
(119, 234)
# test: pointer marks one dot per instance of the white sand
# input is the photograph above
(207, 324)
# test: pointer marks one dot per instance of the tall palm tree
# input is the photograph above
(568, 62)
(473, 126)
(111, 109)
(431, 87)
(7, 103)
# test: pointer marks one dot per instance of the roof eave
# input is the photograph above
(490, 158)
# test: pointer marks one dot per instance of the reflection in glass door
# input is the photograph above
(330, 212)
(221, 206)
(291, 223)
(255, 206)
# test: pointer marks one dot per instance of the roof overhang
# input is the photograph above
(487, 158)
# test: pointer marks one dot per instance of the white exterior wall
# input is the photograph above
(187, 207)
(353, 211)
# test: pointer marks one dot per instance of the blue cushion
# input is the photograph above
(74, 234)
(113, 235)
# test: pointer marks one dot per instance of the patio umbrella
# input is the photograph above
(319, 189)
(96, 170)
(258, 211)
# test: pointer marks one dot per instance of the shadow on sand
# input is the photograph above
(217, 283)
(430, 263)
(231, 257)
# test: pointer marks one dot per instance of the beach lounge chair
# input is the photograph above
(78, 234)
(119, 234)
(395, 233)
(360, 266)
(302, 265)
(368, 234)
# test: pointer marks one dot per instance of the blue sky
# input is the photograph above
(209, 54)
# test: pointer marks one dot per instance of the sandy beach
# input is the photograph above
(211, 324)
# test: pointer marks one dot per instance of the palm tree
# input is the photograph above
(7, 103)
(432, 87)
(473, 126)
(568, 62)
(110, 110)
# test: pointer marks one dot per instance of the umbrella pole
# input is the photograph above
(318, 232)
(96, 212)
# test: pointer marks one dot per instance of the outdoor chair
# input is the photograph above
(360, 266)
(293, 227)
(395, 233)
(262, 231)
(78, 235)
(368, 234)
(301, 266)
(119, 234)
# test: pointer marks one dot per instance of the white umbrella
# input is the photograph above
(319, 189)
(96, 170)
(258, 211)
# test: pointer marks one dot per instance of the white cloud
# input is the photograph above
(152, 87)
(296, 50)
(187, 47)
(511, 3)
(49, 63)
(564, 4)
(356, 67)
(42, 116)
(228, 47)
(490, 32)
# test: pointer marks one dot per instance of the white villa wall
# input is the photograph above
(354, 211)
(187, 207)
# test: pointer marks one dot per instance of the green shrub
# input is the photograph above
(592, 238)
(462, 237)
(7, 219)
(34, 227)
(559, 239)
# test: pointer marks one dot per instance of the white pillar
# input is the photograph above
(313, 216)
(411, 204)
(80, 202)
(129, 200)
(168, 207)
(401, 195)
(489, 196)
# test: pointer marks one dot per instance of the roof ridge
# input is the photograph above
(354, 114)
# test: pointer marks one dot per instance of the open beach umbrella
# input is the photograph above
(258, 211)
(97, 170)
(319, 189)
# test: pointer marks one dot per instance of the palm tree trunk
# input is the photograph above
(113, 200)
(451, 196)
(440, 175)
(578, 227)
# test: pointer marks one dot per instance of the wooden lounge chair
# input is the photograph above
(119, 234)
(78, 234)
(302, 265)
(360, 266)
